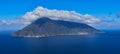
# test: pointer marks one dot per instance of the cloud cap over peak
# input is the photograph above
(55, 14)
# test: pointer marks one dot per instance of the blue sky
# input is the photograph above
(11, 9)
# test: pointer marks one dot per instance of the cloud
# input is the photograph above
(65, 15)
(3, 22)
(54, 14)
(6, 22)
(107, 25)
(58, 15)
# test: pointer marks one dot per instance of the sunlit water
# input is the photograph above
(107, 43)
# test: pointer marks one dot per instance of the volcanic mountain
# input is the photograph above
(45, 26)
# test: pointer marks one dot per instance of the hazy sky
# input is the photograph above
(11, 9)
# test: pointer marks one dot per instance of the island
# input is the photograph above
(45, 27)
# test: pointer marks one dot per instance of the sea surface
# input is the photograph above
(106, 43)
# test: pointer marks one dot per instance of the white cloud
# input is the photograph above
(53, 14)
(62, 15)
(58, 15)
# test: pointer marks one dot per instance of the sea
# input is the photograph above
(104, 43)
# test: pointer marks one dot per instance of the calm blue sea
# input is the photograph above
(107, 43)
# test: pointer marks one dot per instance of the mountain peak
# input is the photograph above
(42, 20)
